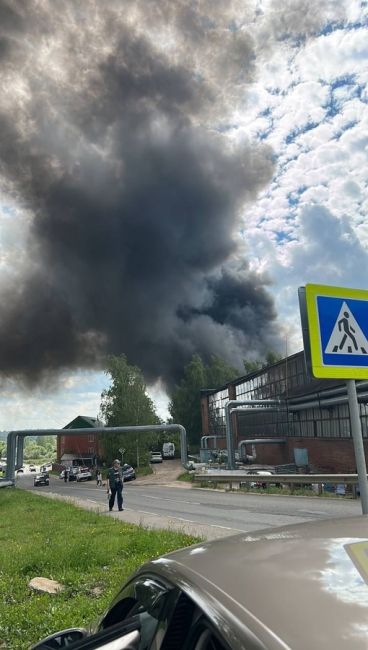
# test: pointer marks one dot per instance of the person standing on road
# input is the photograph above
(98, 478)
(115, 484)
(65, 475)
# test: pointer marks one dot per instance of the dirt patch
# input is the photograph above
(163, 473)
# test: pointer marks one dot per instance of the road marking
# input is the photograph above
(192, 503)
(189, 521)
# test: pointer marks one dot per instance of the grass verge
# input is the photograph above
(90, 554)
(144, 470)
(186, 477)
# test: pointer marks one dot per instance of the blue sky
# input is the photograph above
(310, 104)
(301, 91)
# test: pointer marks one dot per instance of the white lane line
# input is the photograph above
(191, 503)
(189, 521)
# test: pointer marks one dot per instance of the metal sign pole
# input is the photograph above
(356, 432)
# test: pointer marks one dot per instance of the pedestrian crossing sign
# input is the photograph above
(338, 331)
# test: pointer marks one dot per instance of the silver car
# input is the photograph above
(128, 472)
(156, 457)
(299, 587)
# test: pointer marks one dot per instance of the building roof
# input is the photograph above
(83, 422)
(250, 375)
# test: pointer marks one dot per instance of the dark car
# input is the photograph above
(292, 588)
(128, 472)
(41, 479)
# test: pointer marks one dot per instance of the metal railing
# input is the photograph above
(237, 477)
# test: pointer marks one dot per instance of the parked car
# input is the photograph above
(41, 479)
(20, 470)
(156, 457)
(168, 450)
(46, 468)
(32, 468)
(253, 590)
(128, 472)
(260, 484)
(72, 473)
(83, 474)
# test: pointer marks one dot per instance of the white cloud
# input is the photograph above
(309, 225)
(77, 394)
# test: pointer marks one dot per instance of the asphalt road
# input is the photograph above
(208, 513)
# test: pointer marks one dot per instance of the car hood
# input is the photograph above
(305, 586)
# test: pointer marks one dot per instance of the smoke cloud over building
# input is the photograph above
(116, 164)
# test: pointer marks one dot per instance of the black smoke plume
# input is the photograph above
(113, 156)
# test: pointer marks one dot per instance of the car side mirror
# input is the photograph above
(61, 639)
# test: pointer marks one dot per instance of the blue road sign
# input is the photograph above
(338, 331)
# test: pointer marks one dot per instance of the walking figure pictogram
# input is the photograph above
(347, 336)
(344, 324)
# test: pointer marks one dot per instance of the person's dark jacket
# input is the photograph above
(111, 477)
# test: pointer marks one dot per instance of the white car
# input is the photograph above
(260, 472)
(84, 474)
(168, 450)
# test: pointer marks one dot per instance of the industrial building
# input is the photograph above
(309, 427)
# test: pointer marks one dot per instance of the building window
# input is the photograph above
(91, 438)
(91, 450)
(62, 440)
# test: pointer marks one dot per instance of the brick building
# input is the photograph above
(312, 424)
(79, 450)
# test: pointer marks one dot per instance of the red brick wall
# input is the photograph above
(330, 455)
(269, 454)
(79, 445)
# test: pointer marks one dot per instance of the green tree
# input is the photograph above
(126, 403)
(33, 451)
(252, 366)
(46, 441)
(185, 405)
(271, 357)
(219, 372)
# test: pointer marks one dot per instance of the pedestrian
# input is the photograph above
(98, 478)
(65, 475)
(115, 485)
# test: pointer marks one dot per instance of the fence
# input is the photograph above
(235, 478)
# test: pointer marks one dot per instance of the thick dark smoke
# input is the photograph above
(112, 145)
